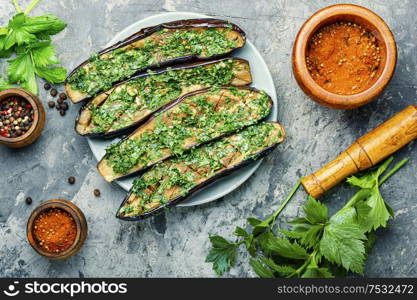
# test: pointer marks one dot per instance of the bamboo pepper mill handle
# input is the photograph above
(366, 152)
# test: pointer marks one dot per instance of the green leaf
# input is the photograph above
(260, 269)
(287, 249)
(316, 272)
(3, 30)
(282, 270)
(253, 221)
(43, 54)
(222, 254)
(250, 243)
(315, 211)
(239, 231)
(21, 71)
(45, 24)
(343, 245)
(4, 85)
(379, 211)
(53, 75)
(17, 33)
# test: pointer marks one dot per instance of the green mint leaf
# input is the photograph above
(343, 245)
(315, 211)
(46, 24)
(316, 272)
(222, 254)
(260, 269)
(287, 249)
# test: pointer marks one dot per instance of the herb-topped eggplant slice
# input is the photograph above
(173, 180)
(133, 101)
(192, 120)
(151, 47)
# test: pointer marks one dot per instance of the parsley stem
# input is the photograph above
(16, 6)
(280, 209)
(393, 170)
(31, 6)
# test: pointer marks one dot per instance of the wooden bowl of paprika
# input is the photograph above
(344, 56)
(57, 229)
(22, 118)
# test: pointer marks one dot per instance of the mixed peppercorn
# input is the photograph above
(16, 117)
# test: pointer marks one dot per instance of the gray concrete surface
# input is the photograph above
(175, 244)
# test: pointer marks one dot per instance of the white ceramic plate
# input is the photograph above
(261, 79)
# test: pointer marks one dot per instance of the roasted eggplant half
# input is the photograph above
(173, 180)
(192, 120)
(131, 102)
(157, 46)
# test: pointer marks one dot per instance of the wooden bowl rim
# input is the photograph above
(303, 76)
(34, 101)
(78, 217)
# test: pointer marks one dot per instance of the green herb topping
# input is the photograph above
(195, 120)
(177, 176)
(104, 70)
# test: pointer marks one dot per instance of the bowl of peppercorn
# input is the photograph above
(57, 229)
(22, 118)
(344, 56)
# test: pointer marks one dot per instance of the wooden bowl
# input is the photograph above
(80, 221)
(38, 122)
(347, 13)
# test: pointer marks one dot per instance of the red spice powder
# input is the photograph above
(344, 58)
(54, 230)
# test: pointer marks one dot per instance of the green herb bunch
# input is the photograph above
(316, 245)
(30, 39)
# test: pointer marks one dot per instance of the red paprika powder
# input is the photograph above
(54, 230)
(344, 58)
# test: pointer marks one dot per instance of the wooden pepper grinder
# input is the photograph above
(366, 152)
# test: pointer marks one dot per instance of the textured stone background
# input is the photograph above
(175, 244)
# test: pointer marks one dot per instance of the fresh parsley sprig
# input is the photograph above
(30, 39)
(316, 245)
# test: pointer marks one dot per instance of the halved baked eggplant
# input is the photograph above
(173, 180)
(131, 102)
(151, 47)
(192, 120)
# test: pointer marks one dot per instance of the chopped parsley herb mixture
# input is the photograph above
(177, 176)
(195, 120)
(137, 98)
(166, 44)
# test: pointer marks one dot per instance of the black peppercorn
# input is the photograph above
(51, 104)
(60, 101)
(58, 106)
(97, 193)
(28, 200)
(71, 180)
(53, 92)
(63, 96)
(62, 112)
(46, 86)
(64, 106)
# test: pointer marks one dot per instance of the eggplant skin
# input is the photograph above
(102, 166)
(76, 96)
(158, 71)
(264, 152)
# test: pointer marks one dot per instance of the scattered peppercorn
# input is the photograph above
(64, 106)
(62, 112)
(71, 180)
(51, 104)
(60, 101)
(53, 92)
(58, 106)
(46, 86)
(97, 193)
(63, 96)
(28, 200)
(16, 117)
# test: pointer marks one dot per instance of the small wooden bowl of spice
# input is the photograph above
(57, 229)
(22, 118)
(344, 56)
